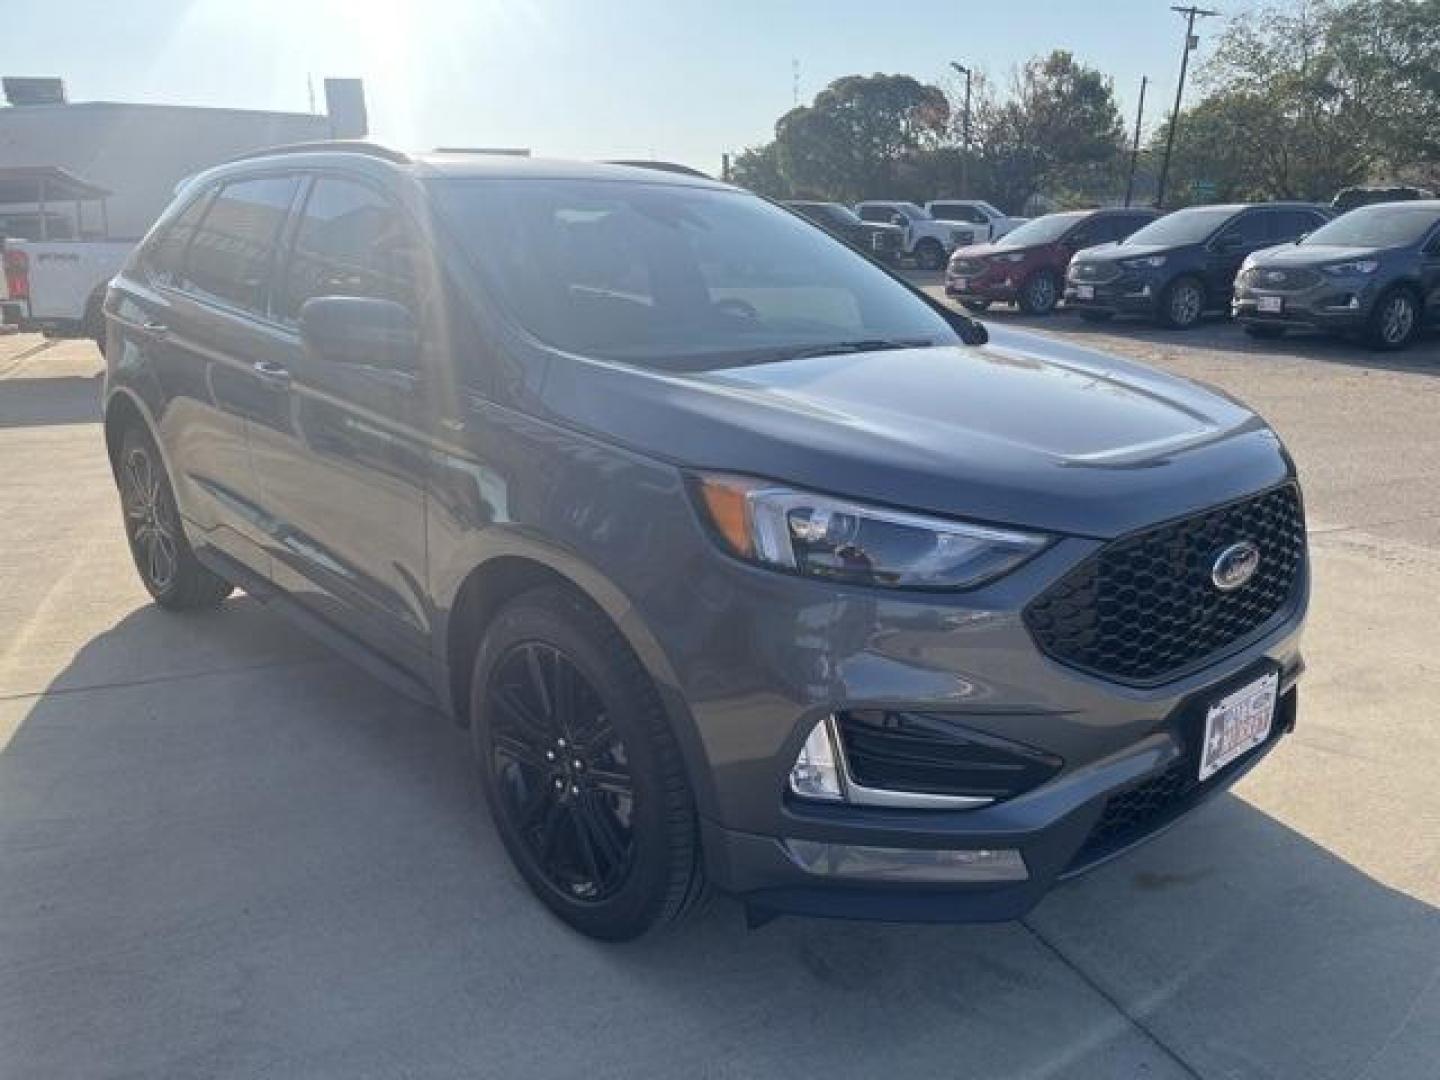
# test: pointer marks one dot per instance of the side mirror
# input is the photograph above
(360, 330)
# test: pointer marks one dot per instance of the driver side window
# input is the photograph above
(351, 241)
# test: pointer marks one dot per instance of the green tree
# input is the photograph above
(758, 168)
(1059, 130)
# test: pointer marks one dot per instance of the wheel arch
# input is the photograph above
(123, 410)
(489, 584)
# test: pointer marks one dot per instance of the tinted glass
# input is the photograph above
(1253, 229)
(1183, 226)
(1043, 230)
(166, 253)
(877, 213)
(1384, 225)
(229, 256)
(351, 241)
(1290, 224)
(665, 275)
(1126, 224)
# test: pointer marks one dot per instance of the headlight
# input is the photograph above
(1150, 261)
(823, 537)
(1354, 266)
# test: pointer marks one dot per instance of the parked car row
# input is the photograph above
(1272, 266)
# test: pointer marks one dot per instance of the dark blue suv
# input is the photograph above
(1176, 269)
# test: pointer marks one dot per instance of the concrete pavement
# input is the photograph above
(225, 853)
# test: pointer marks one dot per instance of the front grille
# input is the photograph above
(934, 754)
(967, 267)
(1136, 812)
(1094, 273)
(1278, 280)
(1144, 608)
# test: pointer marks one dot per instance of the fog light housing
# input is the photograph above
(861, 863)
(816, 772)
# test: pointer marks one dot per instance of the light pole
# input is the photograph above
(961, 69)
(1190, 43)
(1135, 149)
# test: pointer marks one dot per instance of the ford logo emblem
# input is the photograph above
(1234, 566)
(1275, 275)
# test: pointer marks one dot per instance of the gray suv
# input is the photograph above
(744, 562)
(1376, 270)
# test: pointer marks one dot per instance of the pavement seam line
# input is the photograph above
(153, 680)
(1114, 1002)
(19, 359)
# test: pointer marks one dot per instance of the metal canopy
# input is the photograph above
(44, 184)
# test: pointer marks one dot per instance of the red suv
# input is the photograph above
(1026, 267)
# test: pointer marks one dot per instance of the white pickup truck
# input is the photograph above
(57, 257)
(989, 223)
(927, 241)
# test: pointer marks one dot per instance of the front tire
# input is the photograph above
(1182, 303)
(167, 565)
(1394, 321)
(1039, 294)
(929, 255)
(580, 769)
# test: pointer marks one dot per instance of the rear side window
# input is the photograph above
(1290, 224)
(1122, 225)
(351, 241)
(1253, 228)
(230, 254)
(165, 256)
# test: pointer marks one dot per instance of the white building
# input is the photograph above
(138, 153)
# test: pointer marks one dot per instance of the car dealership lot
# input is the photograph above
(225, 852)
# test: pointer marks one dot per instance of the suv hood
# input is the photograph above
(1313, 254)
(1023, 431)
(985, 251)
(1114, 252)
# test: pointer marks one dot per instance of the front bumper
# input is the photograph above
(1334, 303)
(991, 284)
(795, 651)
(1130, 294)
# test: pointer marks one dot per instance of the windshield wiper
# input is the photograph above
(838, 348)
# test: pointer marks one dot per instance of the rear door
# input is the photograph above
(190, 318)
(343, 463)
(1430, 275)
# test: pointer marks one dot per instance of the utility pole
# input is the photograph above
(961, 69)
(1191, 41)
(1135, 150)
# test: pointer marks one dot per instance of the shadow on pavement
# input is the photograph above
(284, 868)
(60, 399)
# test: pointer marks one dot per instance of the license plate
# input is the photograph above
(960, 283)
(1270, 305)
(1084, 292)
(1238, 722)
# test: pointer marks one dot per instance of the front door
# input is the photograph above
(344, 461)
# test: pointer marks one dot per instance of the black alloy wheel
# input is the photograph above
(581, 770)
(561, 771)
(167, 566)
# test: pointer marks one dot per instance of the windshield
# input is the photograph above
(1183, 226)
(1377, 226)
(1043, 230)
(674, 276)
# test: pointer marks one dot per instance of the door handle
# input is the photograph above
(271, 374)
(156, 329)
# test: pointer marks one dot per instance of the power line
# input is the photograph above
(1191, 42)
(1135, 149)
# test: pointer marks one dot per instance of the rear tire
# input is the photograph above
(1182, 303)
(582, 774)
(163, 556)
(1394, 321)
(1040, 293)
(929, 255)
(1265, 333)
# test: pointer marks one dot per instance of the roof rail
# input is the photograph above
(338, 146)
(663, 166)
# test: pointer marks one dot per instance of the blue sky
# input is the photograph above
(681, 79)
